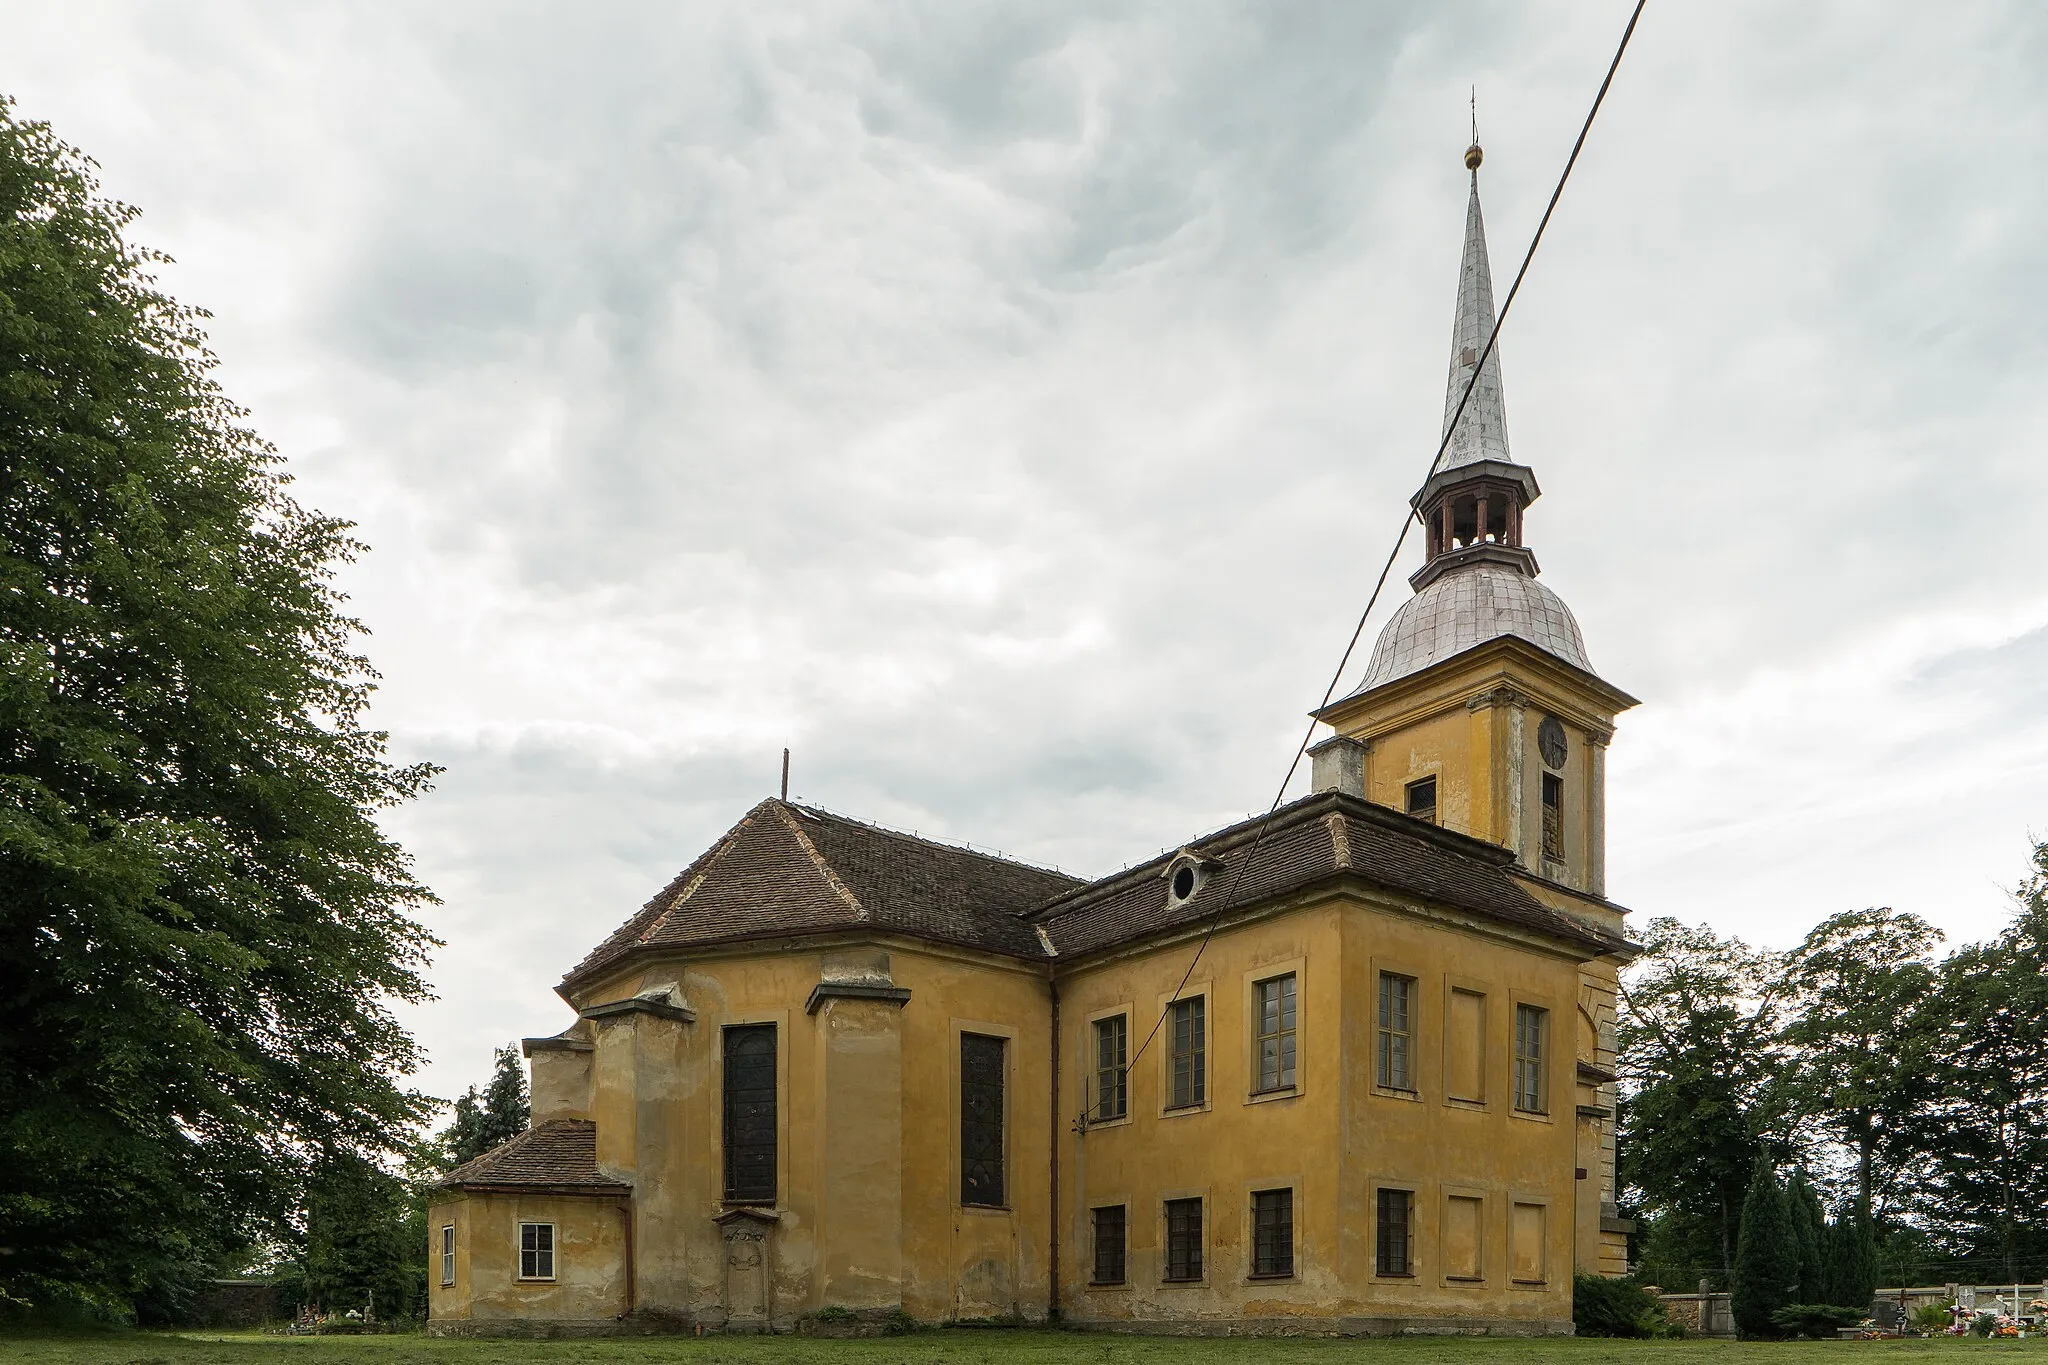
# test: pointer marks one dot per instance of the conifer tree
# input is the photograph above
(1766, 1255)
(499, 1114)
(1809, 1228)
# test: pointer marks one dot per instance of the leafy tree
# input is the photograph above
(1861, 1040)
(201, 925)
(1990, 1050)
(365, 1241)
(1766, 1256)
(501, 1113)
(1701, 1095)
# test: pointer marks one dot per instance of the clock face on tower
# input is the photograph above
(1550, 743)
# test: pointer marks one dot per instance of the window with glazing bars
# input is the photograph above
(1273, 1232)
(1393, 1243)
(536, 1251)
(1109, 1245)
(1112, 1038)
(1397, 999)
(1188, 1053)
(981, 1119)
(1553, 817)
(1422, 799)
(448, 1253)
(1183, 1239)
(750, 1114)
(1530, 1024)
(1273, 1012)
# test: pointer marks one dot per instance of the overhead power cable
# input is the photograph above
(1357, 632)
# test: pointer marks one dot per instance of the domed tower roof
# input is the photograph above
(1479, 581)
(1460, 611)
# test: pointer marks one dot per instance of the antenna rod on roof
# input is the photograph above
(785, 774)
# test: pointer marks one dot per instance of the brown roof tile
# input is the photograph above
(787, 869)
(1308, 840)
(556, 1154)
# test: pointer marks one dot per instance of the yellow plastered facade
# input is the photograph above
(868, 1216)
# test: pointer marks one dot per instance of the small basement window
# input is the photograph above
(1422, 799)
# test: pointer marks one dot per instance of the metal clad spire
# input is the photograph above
(1482, 432)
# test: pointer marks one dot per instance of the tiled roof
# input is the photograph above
(557, 1154)
(1318, 836)
(786, 869)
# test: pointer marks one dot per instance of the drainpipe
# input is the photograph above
(1052, 1312)
(626, 1215)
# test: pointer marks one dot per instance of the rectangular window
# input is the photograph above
(1465, 1049)
(1393, 1242)
(1188, 1053)
(1112, 1095)
(536, 1251)
(750, 1122)
(1553, 817)
(1463, 1219)
(1109, 1245)
(1183, 1239)
(981, 1119)
(1397, 998)
(1526, 1237)
(1273, 1011)
(448, 1253)
(1422, 799)
(1530, 1025)
(1273, 1232)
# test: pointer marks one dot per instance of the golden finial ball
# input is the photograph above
(1473, 156)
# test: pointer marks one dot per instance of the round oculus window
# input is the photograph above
(1183, 882)
(1550, 743)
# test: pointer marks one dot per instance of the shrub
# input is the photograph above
(1602, 1307)
(1930, 1317)
(1984, 1324)
(1817, 1320)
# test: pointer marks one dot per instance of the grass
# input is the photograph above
(986, 1347)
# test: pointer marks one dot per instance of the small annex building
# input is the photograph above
(836, 1069)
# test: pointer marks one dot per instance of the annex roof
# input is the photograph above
(558, 1154)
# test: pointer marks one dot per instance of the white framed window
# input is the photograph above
(447, 1253)
(536, 1251)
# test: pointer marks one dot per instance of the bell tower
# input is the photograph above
(1480, 710)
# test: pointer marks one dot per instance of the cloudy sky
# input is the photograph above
(1007, 407)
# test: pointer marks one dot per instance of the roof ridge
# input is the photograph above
(906, 836)
(819, 861)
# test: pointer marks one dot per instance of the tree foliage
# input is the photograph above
(201, 925)
(500, 1113)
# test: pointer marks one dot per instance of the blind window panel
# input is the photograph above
(982, 1061)
(1112, 1039)
(1189, 1053)
(1273, 1006)
(750, 1117)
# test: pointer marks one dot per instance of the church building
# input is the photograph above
(834, 1075)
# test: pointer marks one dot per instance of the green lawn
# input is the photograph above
(977, 1348)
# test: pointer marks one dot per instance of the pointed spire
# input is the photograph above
(1483, 430)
